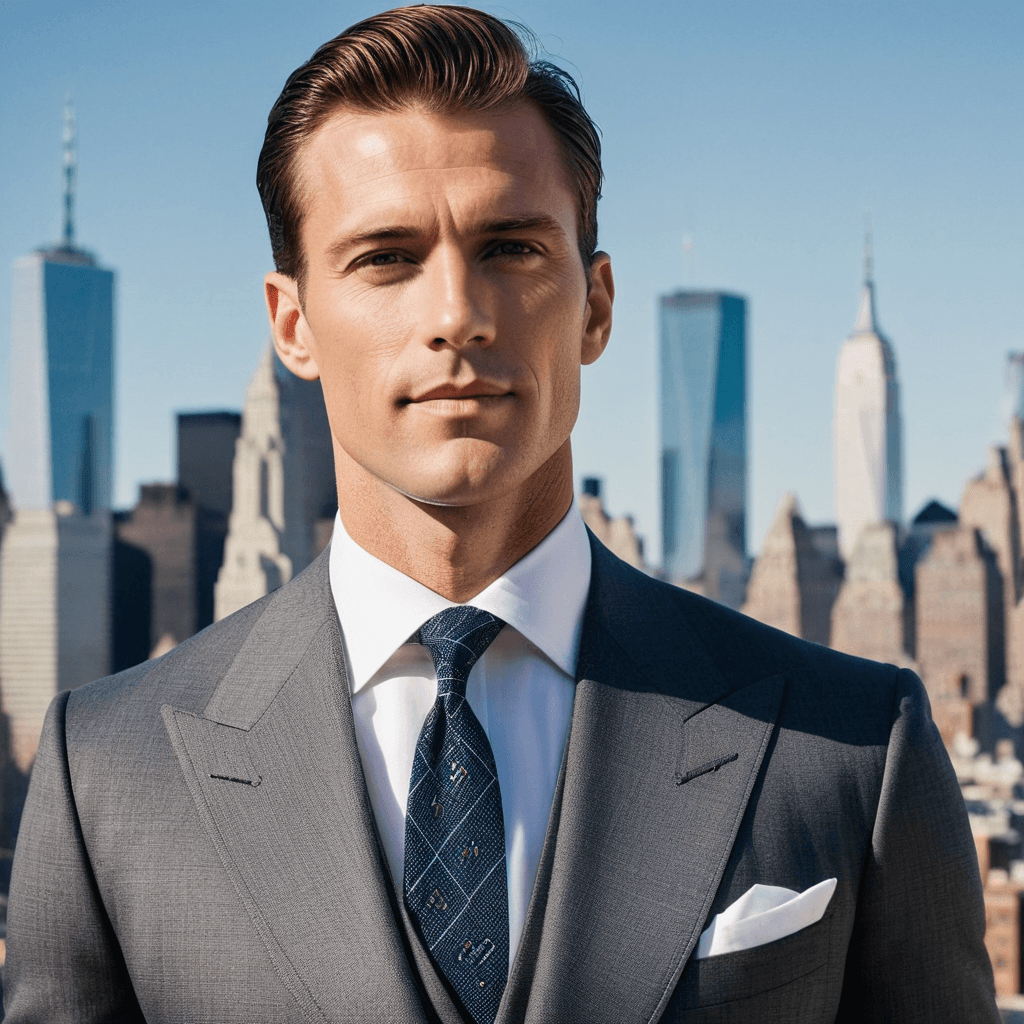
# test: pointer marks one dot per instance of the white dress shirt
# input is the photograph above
(521, 689)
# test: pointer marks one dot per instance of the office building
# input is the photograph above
(284, 495)
(206, 450)
(55, 575)
(1013, 388)
(704, 442)
(868, 429)
(170, 546)
(797, 575)
(62, 371)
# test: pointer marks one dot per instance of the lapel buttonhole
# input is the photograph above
(254, 782)
(708, 766)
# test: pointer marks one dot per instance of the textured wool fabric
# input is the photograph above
(198, 843)
(455, 883)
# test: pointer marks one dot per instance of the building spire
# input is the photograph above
(866, 313)
(869, 268)
(70, 175)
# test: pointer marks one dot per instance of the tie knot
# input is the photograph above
(456, 638)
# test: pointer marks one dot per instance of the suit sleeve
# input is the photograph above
(63, 959)
(917, 952)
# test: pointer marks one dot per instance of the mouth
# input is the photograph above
(475, 390)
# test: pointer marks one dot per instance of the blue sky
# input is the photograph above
(764, 130)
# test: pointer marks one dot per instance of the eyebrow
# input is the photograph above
(398, 232)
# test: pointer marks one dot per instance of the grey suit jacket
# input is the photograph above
(198, 843)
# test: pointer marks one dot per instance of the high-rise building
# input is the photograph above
(56, 563)
(1013, 388)
(62, 370)
(169, 548)
(704, 442)
(284, 494)
(206, 450)
(868, 429)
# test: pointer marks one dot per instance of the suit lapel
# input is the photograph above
(275, 773)
(656, 784)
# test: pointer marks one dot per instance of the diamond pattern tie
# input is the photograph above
(455, 880)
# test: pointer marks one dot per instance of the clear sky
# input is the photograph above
(762, 129)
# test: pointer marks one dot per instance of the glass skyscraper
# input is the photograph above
(56, 555)
(704, 442)
(62, 401)
(62, 370)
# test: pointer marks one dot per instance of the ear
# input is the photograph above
(597, 326)
(292, 337)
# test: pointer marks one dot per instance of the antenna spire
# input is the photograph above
(70, 174)
(869, 263)
(689, 259)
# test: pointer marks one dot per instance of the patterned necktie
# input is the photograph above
(455, 881)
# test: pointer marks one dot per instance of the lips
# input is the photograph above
(457, 392)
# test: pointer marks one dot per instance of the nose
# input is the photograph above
(457, 305)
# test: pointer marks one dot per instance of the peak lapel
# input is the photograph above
(275, 774)
(640, 853)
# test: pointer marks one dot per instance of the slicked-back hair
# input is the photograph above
(440, 59)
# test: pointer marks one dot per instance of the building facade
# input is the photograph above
(284, 495)
(868, 428)
(62, 381)
(55, 577)
(704, 442)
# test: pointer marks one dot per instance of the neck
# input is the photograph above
(456, 551)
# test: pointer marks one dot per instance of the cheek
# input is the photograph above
(358, 354)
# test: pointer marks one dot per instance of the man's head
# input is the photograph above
(434, 58)
(436, 264)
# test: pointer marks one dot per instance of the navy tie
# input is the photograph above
(455, 880)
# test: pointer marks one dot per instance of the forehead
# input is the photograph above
(360, 161)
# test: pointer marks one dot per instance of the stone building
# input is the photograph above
(796, 577)
(872, 616)
(169, 548)
(868, 427)
(284, 496)
(54, 613)
(960, 635)
(617, 534)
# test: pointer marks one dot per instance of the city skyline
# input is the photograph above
(762, 134)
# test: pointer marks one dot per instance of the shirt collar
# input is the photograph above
(542, 596)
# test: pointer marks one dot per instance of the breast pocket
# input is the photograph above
(781, 981)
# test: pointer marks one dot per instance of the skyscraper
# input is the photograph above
(55, 574)
(284, 496)
(1013, 388)
(868, 429)
(62, 372)
(704, 442)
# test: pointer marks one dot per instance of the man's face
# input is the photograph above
(446, 308)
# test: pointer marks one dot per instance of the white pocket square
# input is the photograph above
(763, 914)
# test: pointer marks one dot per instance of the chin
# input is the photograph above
(452, 487)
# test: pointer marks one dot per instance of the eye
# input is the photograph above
(511, 249)
(383, 259)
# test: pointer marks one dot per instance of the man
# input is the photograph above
(469, 766)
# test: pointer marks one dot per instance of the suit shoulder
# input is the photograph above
(184, 677)
(668, 629)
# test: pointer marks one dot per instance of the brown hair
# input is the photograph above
(444, 58)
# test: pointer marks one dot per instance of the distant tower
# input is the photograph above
(868, 429)
(1013, 388)
(62, 369)
(284, 495)
(55, 574)
(704, 442)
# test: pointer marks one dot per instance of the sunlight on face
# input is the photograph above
(446, 303)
